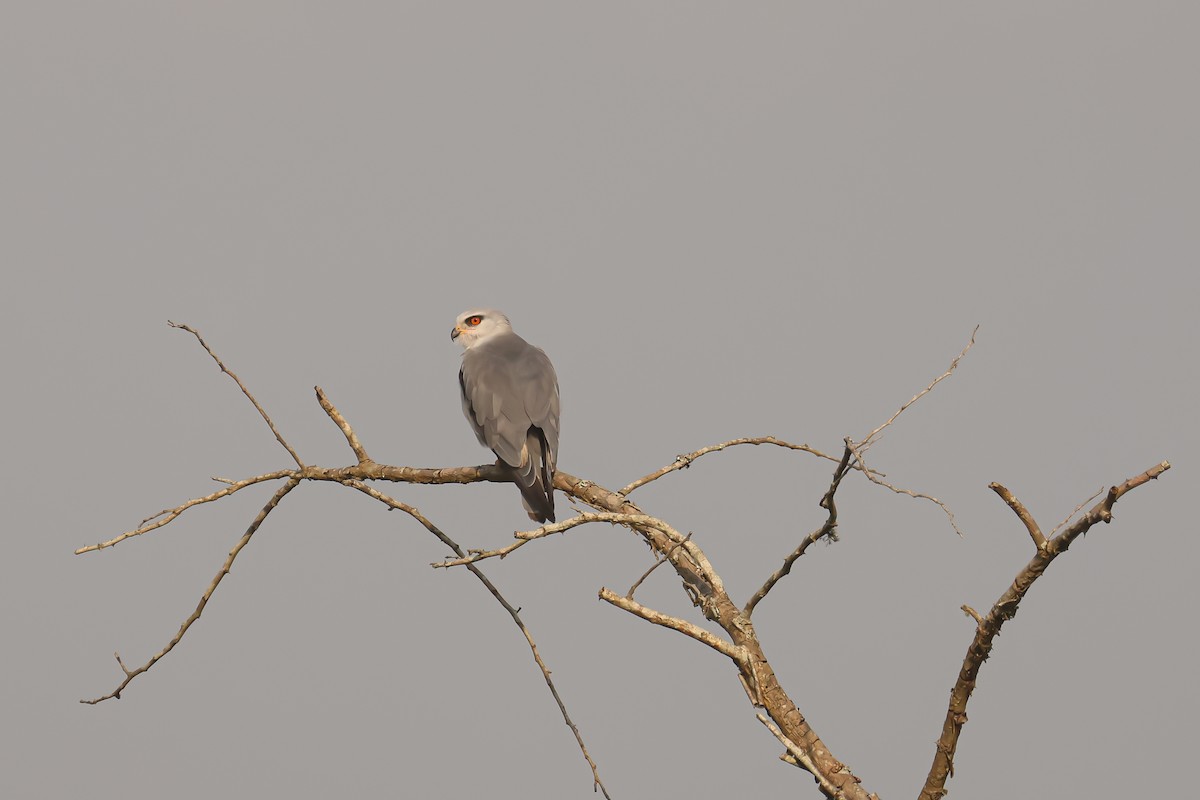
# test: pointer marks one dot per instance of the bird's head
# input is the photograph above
(478, 325)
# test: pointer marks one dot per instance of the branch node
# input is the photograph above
(208, 593)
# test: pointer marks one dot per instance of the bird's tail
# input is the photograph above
(536, 478)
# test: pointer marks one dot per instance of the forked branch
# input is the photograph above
(1005, 609)
(208, 593)
(861, 447)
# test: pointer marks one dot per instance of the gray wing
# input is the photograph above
(510, 397)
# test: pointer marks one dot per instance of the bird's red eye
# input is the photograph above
(473, 321)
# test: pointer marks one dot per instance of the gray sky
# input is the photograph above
(719, 221)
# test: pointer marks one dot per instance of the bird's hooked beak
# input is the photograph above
(454, 333)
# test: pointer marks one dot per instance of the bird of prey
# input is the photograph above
(510, 397)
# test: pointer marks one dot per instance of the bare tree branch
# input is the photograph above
(872, 476)
(1102, 511)
(1005, 609)
(172, 513)
(658, 562)
(603, 516)
(524, 537)
(1076, 510)
(1039, 540)
(872, 437)
(828, 529)
(208, 593)
(245, 391)
(860, 448)
(685, 461)
(474, 555)
(168, 515)
(351, 437)
(674, 623)
(638, 522)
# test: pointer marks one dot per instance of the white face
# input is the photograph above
(477, 325)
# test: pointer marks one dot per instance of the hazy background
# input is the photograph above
(719, 220)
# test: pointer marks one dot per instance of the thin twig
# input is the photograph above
(245, 391)
(872, 476)
(479, 555)
(658, 562)
(860, 448)
(602, 516)
(208, 593)
(870, 438)
(1077, 509)
(827, 529)
(524, 537)
(169, 514)
(685, 461)
(371, 491)
(636, 521)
